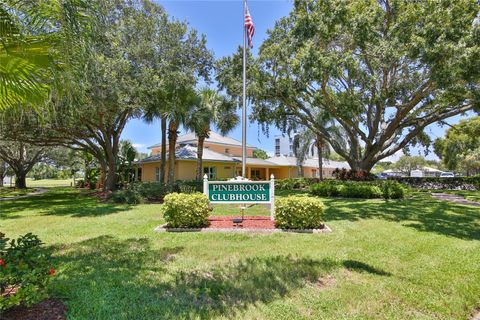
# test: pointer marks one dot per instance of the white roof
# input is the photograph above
(310, 162)
(257, 161)
(191, 138)
(190, 153)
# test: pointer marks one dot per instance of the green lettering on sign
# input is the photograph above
(255, 192)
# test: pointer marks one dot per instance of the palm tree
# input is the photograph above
(23, 61)
(213, 110)
(303, 142)
(33, 34)
(306, 139)
(158, 109)
(181, 101)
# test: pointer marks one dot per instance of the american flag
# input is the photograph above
(249, 26)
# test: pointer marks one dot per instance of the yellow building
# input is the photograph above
(222, 160)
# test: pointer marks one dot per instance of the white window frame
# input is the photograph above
(211, 172)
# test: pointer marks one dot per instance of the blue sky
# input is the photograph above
(222, 23)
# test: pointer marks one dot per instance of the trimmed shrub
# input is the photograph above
(153, 191)
(26, 269)
(182, 210)
(356, 189)
(393, 190)
(131, 195)
(297, 212)
(294, 183)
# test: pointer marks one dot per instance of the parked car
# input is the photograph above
(381, 176)
(447, 175)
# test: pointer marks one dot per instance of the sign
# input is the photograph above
(241, 192)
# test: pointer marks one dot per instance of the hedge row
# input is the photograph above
(356, 189)
(437, 183)
(295, 183)
(154, 191)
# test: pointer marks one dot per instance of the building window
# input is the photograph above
(157, 173)
(277, 151)
(227, 151)
(139, 174)
(211, 172)
(277, 142)
(255, 173)
(314, 173)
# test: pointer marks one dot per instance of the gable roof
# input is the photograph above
(215, 138)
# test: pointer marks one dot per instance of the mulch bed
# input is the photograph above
(50, 309)
(249, 224)
(256, 222)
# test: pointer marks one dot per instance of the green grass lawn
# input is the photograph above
(9, 192)
(49, 183)
(412, 259)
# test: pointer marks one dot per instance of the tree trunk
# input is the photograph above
(111, 180)
(172, 140)
(103, 175)
(201, 140)
(3, 173)
(362, 165)
(112, 157)
(320, 157)
(163, 152)
(20, 180)
(300, 171)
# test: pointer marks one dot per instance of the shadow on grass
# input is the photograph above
(420, 212)
(60, 201)
(110, 278)
(363, 267)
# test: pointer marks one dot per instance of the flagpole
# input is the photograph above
(244, 100)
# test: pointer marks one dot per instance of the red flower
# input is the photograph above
(51, 272)
(2, 263)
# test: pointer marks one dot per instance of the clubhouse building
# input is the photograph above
(222, 159)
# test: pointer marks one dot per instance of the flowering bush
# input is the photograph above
(182, 210)
(360, 175)
(297, 212)
(25, 271)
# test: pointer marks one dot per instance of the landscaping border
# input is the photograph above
(163, 228)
